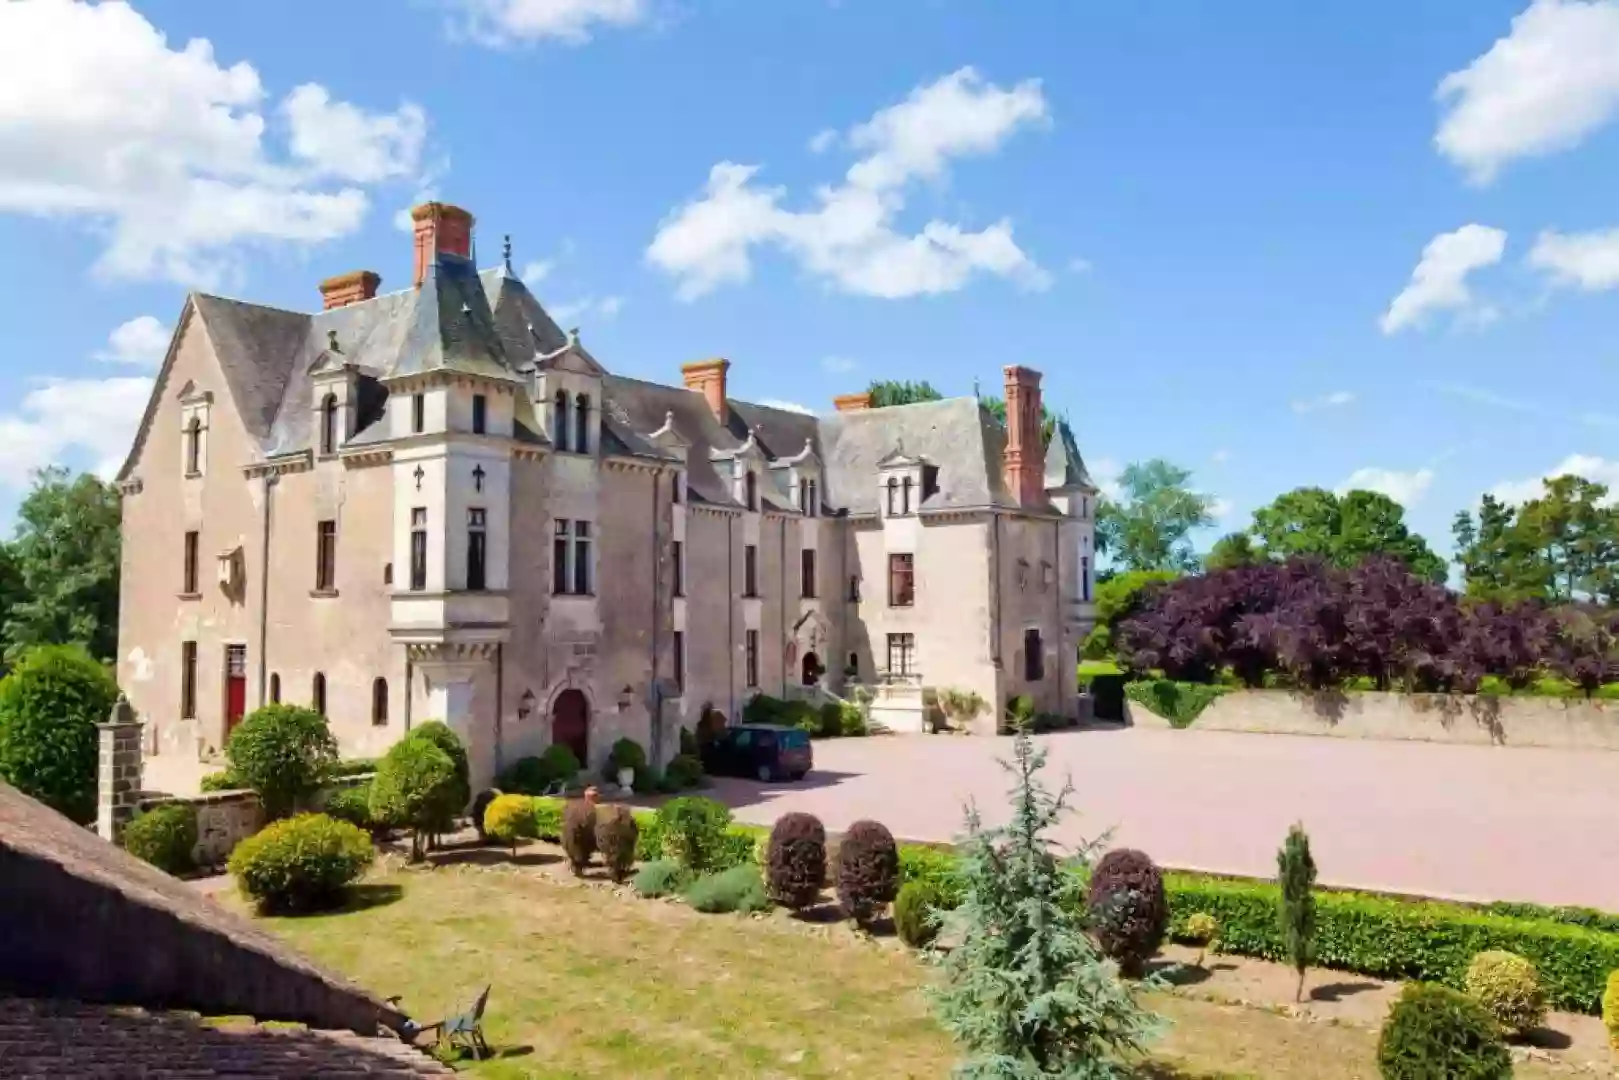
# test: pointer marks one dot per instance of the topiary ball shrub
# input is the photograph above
(625, 754)
(416, 788)
(795, 860)
(50, 705)
(1610, 1009)
(1435, 1032)
(684, 772)
(1128, 911)
(440, 735)
(616, 838)
(283, 752)
(915, 913)
(508, 819)
(525, 776)
(301, 863)
(578, 833)
(480, 807)
(1508, 986)
(561, 765)
(831, 722)
(737, 889)
(548, 818)
(659, 878)
(868, 870)
(164, 836)
(351, 804)
(693, 831)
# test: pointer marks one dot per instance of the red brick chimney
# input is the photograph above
(349, 288)
(852, 402)
(441, 229)
(707, 377)
(1023, 464)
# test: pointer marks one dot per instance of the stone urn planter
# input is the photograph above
(626, 780)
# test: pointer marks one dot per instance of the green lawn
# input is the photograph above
(588, 983)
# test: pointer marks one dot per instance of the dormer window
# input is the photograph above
(750, 488)
(559, 420)
(808, 498)
(581, 431)
(893, 495)
(905, 495)
(194, 447)
(328, 424)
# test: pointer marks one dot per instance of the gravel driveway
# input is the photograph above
(1468, 822)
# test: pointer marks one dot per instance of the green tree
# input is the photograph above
(1499, 561)
(1231, 551)
(50, 705)
(1114, 599)
(1026, 991)
(1149, 528)
(888, 392)
(66, 560)
(1343, 530)
(1576, 536)
(1295, 873)
(283, 752)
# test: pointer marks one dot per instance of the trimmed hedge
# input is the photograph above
(1178, 702)
(735, 847)
(164, 836)
(1428, 941)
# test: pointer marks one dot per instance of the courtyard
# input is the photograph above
(1461, 822)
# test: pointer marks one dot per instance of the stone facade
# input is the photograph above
(434, 503)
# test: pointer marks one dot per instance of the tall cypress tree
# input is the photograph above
(1295, 872)
(1026, 991)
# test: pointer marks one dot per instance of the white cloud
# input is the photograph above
(573, 312)
(163, 151)
(787, 406)
(142, 340)
(1588, 261)
(1105, 471)
(1593, 468)
(536, 271)
(1077, 265)
(822, 141)
(849, 237)
(838, 365)
(1336, 399)
(71, 419)
(1405, 488)
(1220, 509)
(1439, 282)
(1553, 80)
(507, 22)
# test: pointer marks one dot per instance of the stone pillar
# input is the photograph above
(118, 770)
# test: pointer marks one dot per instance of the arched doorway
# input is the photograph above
(812, 669)
(570, 724)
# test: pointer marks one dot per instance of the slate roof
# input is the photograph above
(489, 323)
(54, 1039)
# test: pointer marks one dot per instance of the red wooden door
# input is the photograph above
(235, 686)
(570, 723)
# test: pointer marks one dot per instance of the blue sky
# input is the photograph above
(1277, 243)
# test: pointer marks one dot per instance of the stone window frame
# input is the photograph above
(196, 414)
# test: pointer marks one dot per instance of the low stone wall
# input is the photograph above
(226, 818)
(1566, 724)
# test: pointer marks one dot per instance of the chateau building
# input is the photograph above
(434, 503)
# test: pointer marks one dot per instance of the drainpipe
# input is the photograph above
(730, 610)
(782, 608)
(270, 480)
(653, 694)
(1057, 625)
(410, 687)
(500, 700)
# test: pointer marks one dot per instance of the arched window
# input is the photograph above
(275, 688)
(893, 495)
(581, 428)
(317, 696)
(750, 485)
(194, 446)
(328, 424)
(905, 502)
(814, 506)
(559, 421)
(379, 702)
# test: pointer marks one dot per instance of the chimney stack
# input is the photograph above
(349, 288)
(1023, 463)
(707, 377)
(852, 402)
(441, 229)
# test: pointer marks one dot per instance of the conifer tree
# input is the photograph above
(1295, 873)
(1025, 990)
